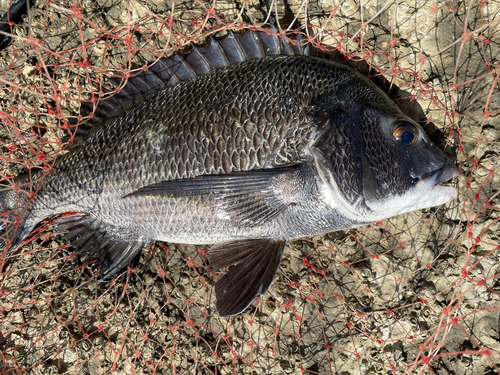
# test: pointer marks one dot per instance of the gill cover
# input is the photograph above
(375, 161)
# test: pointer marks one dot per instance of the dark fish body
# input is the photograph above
(252, 116)
(18, 9)
(247, 156)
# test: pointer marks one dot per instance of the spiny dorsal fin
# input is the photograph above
(235, 47)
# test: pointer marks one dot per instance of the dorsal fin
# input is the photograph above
(235, 47)
(252, 45)
(214, 54)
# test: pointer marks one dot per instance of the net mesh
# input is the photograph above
(412, 294)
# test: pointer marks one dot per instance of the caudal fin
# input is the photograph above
(13, 207)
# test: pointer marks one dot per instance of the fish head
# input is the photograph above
(403, 170)
(376, 163)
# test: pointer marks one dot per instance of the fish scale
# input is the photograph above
(122, 148)
(247, 156)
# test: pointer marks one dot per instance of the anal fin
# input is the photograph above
(96, 241)
(256, 263)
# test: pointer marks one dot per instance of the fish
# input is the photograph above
(245, 143)
(18, 9)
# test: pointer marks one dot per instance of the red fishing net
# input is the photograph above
(412, 294)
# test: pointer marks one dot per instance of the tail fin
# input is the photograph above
(13, 207)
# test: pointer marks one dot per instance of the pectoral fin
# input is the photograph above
(250, 198)
(256, 262)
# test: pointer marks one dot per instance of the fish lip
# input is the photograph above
(433, 179)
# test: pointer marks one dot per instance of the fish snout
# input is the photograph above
(445, 173)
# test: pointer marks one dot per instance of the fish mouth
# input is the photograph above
(434, 179)
(427, 192)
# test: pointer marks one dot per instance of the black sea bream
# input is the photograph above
(246, 156)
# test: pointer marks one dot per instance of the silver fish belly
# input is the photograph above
(247, 157)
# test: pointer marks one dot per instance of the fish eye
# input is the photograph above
(406, 133)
